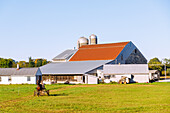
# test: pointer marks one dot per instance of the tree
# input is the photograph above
(166, 61)
(167, 64)
(22, 64)
(10, 63)
(38, 62)
(31, 63)
(6, 63)
(155, 67)
(44, 62)
(155, 61)
(3, 63)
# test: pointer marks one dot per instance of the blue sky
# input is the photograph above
(43, 29)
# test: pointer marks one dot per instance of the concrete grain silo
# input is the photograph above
(82, 41)
(93, 39)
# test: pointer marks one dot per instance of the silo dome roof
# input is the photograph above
(93, 36)
(83, 40)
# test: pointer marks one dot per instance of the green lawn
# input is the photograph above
(153, 97)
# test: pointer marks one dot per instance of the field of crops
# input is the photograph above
(152, 97)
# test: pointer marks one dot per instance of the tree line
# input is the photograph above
(10, 63)
(156, 64)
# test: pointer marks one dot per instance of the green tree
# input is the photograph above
(31, 62)
(167, 64)
(44, 62)
(157, 65)
(14, 65)
(166, 61)
(10, 63)
(38, 62)
(22, 64)
(155, 61)
(6, 63)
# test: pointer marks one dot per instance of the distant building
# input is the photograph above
(85, 65)
(133, 72)
(19, 76)
(65, 55)
(154, 75)
(75, 72)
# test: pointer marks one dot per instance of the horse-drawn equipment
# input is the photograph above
(41, 90)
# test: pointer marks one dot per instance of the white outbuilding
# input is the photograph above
(19, 76)
(133, 72)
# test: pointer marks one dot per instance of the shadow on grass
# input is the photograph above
(63, 94)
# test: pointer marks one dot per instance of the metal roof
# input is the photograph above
(74, 67)
(153, 71)
(21, 71)
(66, 54)
(126, 69)
(98, 52)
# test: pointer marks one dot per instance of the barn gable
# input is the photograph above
(136, 57)
(130, 55)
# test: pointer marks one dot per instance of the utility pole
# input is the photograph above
(165, 71)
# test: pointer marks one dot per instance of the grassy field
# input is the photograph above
(151, 98)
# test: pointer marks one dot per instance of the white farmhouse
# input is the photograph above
(19, 76)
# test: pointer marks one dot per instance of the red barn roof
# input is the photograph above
(99, 52)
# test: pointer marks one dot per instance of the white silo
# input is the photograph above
(82, 41)
(93, 39)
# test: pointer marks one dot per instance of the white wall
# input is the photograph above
(137, 78)
(100, 73)
(18, 79)
(92, 79)
(23, 79)
(141, 78)
(80, 79)
(4, 80)
(116, 78)
(150, 76)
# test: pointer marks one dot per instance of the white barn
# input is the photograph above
(76, 72)
(134, 72)
(85, 64)
(19, 76)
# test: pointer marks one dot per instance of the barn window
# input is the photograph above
(107, 76)
(112, 76)
(0, 79)
(135, 50)
(121, 57)
(28, 78)
(9, 79)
